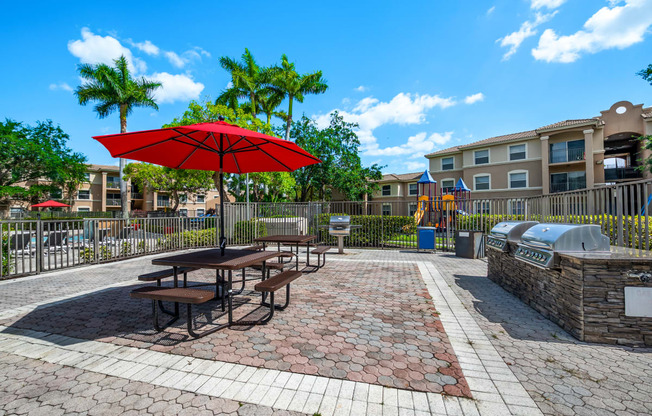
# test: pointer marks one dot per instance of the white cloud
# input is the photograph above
(415, 146)
(62, 86)
(175, 59)
(361, 88)
(95, 49)
(610, 27)
(527, 29)
(186, 57)
(548, 4)
(471, 99)
(176, 87)
(415, 166)
(491, 10)
(148, 47)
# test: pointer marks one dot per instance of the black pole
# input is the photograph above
(222, 238)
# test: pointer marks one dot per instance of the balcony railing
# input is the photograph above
(113, 202)
(163, 202)
(136, 195)
(113, 184)
(567, 155)
(615, 174)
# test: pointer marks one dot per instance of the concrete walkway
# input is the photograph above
(512, 360)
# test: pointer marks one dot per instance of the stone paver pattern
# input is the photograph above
(366, 322)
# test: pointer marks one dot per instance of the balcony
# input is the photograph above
(571, 185)
(136, 195)
(113, 184)
(113, 202)
(163, 202)
(567, 155)
(624, 173)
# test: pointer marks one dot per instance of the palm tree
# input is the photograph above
(246, 79)
(268, 102)
(113, 88)
(288, 83)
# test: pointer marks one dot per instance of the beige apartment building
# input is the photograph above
(564, 156)
(101, 192)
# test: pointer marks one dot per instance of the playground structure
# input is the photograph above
(435, 210)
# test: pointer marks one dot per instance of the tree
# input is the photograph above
(247, 79)
(340, 168)
(176, 182)
(36, 161)
(268, 102)
(114, 89)
(265, 187)
(286, 82)
(646, 74)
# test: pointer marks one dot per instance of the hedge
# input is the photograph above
(375, 229)
(245, 231)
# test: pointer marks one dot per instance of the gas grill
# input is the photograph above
(541, 244)
(340, 227)
(507, 231)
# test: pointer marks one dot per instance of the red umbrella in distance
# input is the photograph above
(50, 204)
(214, 146)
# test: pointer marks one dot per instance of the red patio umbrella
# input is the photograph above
(50, 204)
(215, 146)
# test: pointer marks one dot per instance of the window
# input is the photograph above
(216, 196)
(15, 212)
(482, 207)
(517, 207)
(482, 182)
(387, 209)
(447, 163)
(481, 157)
(84, 194)
(112, 182)
(113, 200)
(412, 208)
(200, 212)
(387, 190)
(183, 199)
(517, 152)
(562, 182)
(518, 180)
(87, 176)
(201, 199)
(447, 185)
(163, 200)
(413, 189)
(183, 212)
(83, 209)
(567, 151)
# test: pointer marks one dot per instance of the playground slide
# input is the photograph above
(418, 216)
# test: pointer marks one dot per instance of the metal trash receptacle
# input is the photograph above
(468, 244)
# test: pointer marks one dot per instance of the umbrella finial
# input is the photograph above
(220, 118)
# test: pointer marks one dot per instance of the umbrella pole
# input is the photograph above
(222, 238)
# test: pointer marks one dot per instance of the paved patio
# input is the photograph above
(373, 332)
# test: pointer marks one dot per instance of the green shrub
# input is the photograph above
(6, 258)
(245, 231)
(375, 229)
(199, 238)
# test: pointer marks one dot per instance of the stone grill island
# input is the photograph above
(603, 296)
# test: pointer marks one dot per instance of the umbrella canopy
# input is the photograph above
(209, 146)
(215, 146)
(50, 204)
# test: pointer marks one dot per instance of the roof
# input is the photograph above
(426, 178)
(492, 140)
(453, 149)
(393, 177)
(647, 115)
(100, 168)
(569, 123)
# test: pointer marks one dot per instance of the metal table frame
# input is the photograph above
(297, 240)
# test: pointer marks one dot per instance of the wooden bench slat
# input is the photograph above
(176, 294)
(256, 247)
(269, 265)
(162, 274)
(280, 280)
(321, 249)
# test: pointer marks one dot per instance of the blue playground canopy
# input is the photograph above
(426, 178)
(461, 186)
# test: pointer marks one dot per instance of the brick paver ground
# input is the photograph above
(372, 322)
(35, 387)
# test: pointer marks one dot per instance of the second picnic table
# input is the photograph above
(297, 240)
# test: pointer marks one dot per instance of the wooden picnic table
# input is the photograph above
(233, 259)
(290, 239)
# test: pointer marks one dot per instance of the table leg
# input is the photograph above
(230, 300)
(297, 257)
(175, 271)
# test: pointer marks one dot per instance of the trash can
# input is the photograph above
(468, 244)
(426, 238)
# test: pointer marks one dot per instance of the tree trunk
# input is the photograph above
(269, 118)
(175, 199)
(252, 98)
(123, 183)
(289, 120)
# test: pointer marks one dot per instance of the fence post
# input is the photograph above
(382, 228)
(619, 214)
(96, 244)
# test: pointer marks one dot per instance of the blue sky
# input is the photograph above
(418, 76)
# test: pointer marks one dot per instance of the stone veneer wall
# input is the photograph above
(585, 298)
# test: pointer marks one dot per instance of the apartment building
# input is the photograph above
(564, 156)
(397, 194)
(101, 192)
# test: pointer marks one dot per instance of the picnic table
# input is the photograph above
(289, 239)
(232, 260)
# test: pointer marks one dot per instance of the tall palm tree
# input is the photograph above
(113, 88)
(288, 83)
(246, 79)
(268, 102)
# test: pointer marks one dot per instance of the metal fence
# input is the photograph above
(35, 246)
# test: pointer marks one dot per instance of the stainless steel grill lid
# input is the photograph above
(507, 231)
(340, 225)
(566, 237)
